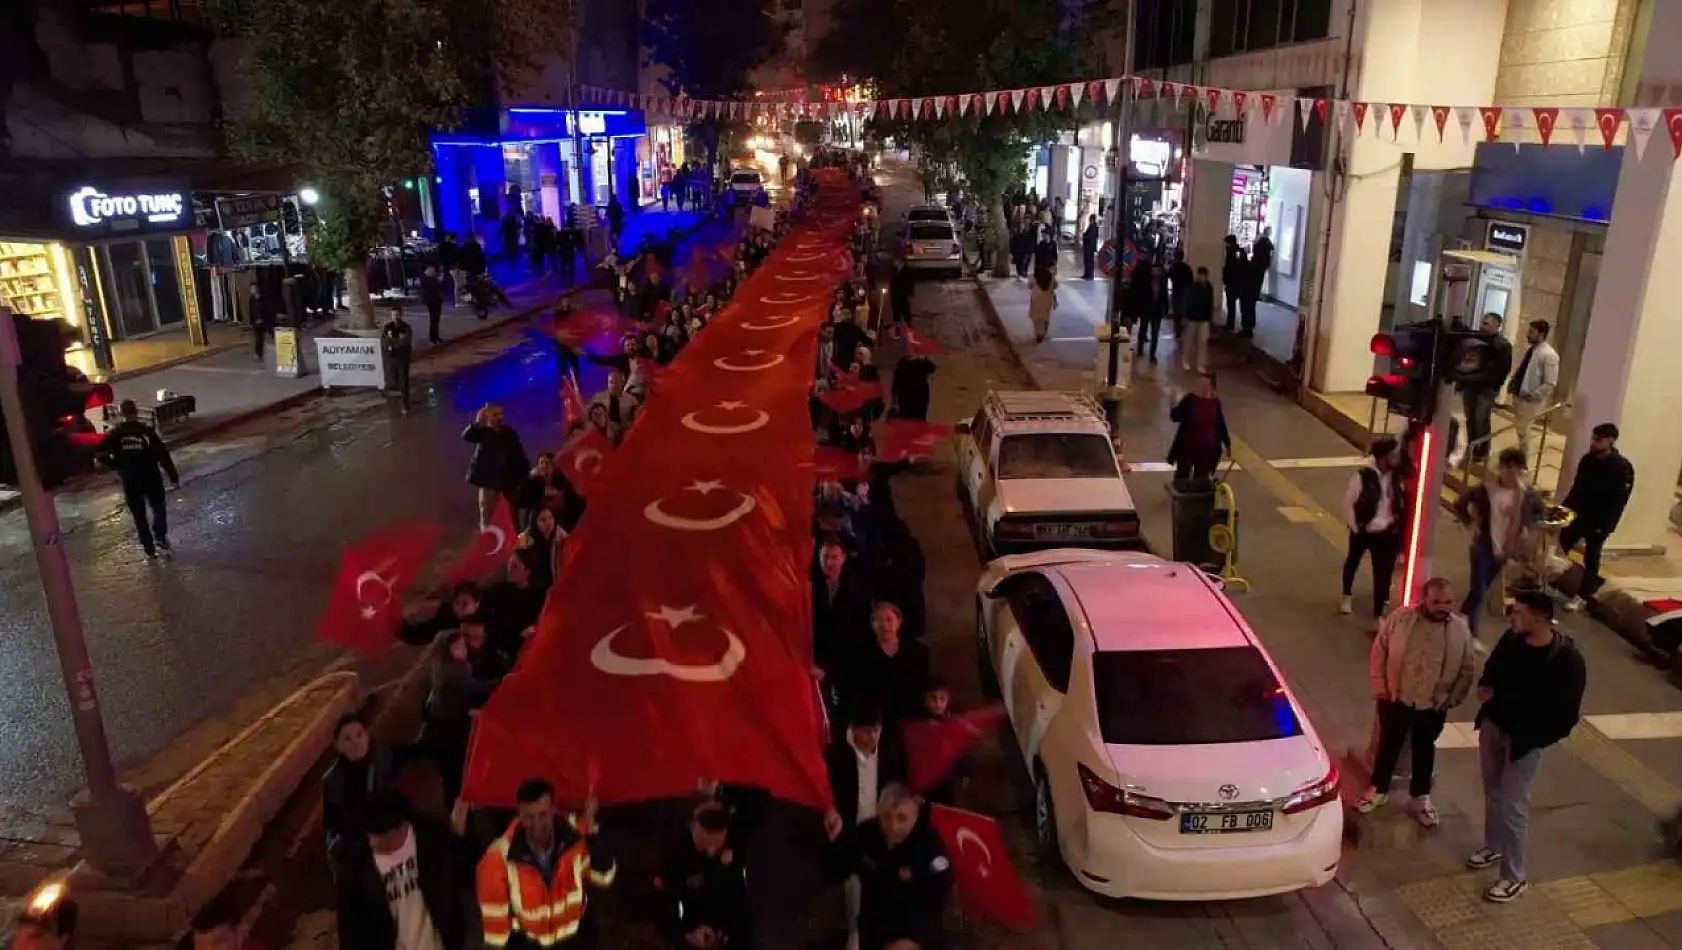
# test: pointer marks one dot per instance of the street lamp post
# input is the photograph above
(1120, 226)
(111, 818)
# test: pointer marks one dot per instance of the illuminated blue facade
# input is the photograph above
(535, 161)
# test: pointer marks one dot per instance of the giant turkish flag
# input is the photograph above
(677, 643)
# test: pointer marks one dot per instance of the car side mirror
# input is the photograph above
(960, 428)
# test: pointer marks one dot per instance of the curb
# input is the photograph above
(161, 913)
(998, 324)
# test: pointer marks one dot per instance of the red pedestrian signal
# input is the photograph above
(1410, 387)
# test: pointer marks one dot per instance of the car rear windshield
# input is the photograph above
(1056, 455)
(1190, 697)
(931, 232)
(745, 178)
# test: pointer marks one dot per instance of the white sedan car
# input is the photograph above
(1169, 759)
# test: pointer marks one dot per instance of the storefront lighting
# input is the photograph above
(309, 196)
(70, 297)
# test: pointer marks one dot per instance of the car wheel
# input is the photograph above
(1045, 819)
(984, 659)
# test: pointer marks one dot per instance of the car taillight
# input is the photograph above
(1124, 528)
(1314, 794)
(1104, 797)
(1014, 529)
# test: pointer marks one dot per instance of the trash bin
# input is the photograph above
(1193, 510)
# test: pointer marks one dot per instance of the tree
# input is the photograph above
(709, 48)
(949, 47)
(353, 91)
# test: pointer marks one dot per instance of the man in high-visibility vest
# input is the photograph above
(533, 881)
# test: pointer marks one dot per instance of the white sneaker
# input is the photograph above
(1346, 605)
(1424, 812)
(1575, 604)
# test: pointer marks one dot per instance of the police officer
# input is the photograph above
(904, 871)
(133, 448)
(397, 342)
(705, 886)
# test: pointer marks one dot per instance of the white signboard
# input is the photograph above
(350, 361)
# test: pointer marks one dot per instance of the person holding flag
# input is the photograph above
(904, 873)
(535, 880)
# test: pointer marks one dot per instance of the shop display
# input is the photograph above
(1249, 205)
(27, 283)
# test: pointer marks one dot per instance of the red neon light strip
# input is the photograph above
(1416, 527)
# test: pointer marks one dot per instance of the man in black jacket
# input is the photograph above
(901, 287)
(1477, 398)
(841, 604)
(362, 772)
(1199, 316)
(141, 459)
(904, 874)
(499, 461)
(397, 345)
(704, 884)
(1532, 695)
(403, 885)
(1599, 493)
(861, 764)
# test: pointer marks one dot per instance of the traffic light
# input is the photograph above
(1410, 387)
(1469, 356)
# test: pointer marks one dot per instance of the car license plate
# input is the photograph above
(1225, 823)
(1062, 532)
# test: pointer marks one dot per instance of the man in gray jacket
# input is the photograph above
(1421, 665)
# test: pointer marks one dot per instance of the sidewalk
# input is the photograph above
(1602, 876)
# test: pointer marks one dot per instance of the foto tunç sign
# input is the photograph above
(91, 211)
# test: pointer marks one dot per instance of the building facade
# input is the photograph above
(1577, 237)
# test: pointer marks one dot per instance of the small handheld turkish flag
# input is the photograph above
(830, 464)
(900, 439)
(580, 460)
(491, 547)
(987, 882)
(933, 747)
(918, 344)
(846, 399)
(374, 576)
(572, 403)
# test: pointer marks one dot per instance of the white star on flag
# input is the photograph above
(369, 613)
(705, 488)
(676, 617)
(731, 406)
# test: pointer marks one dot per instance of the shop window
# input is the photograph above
(1305, 20)
(128, 294)
(166, 283)
(1261, 27)
(1224, 36)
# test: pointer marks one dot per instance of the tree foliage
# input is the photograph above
(709, 48)
(351, 91)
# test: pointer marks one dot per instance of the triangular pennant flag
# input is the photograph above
(989, 99)
(1143, 88)
(1491, 116)
(1579, 120)
(1213, 96)
(1397, 110)
(1320, 107)
(1068, 93)
(1191, 94)
(1169, 91)
(1240, 98)
(1419, 114)
(1304, 106)
(952, 103)
(978, 103)
(1642, 122)
(1048, 96)
(1439, 115)
(1034, 99)
(1608, 120)
(1268, 101)
(1513, 123)
(1095, 91)
(1016, 97)
(1673, 125)
(963, 105)
(1547, 118)
(870, 110)
(940, 107)
(1344, 112)
(1360, 111)
(1076, 91)
(1112, 89)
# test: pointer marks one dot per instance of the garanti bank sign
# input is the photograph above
(93, 211)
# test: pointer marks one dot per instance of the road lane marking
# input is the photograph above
(1627, 726)
(1289, 494)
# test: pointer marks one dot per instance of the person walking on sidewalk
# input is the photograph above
(1199, 314)
(901, 287)
(1599, 492)
(1374, 509)
(1532, 695)
(449, 253)
(1234, 273)
(1501, 513)
(1478, 398)
(1202, 437)
(499, 464)
(1180, 280)
(1144, 307)
(1089, 248)
(397, 344)
(141, 459)
(1420, 666)
(261, 325)
(1533, 383)
(1042, 299)
(432, 297)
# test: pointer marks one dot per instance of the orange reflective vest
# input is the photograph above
(514, 895)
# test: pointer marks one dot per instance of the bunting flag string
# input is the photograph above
(1512, 124)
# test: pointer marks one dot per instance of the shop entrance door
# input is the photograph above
(128, 290)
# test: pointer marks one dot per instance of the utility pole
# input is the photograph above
(1121, 225)
(111, 819)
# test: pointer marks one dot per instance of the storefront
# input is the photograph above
(1155, 202)
(110, 262)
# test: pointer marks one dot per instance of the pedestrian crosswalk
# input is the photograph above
(1619, 727)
